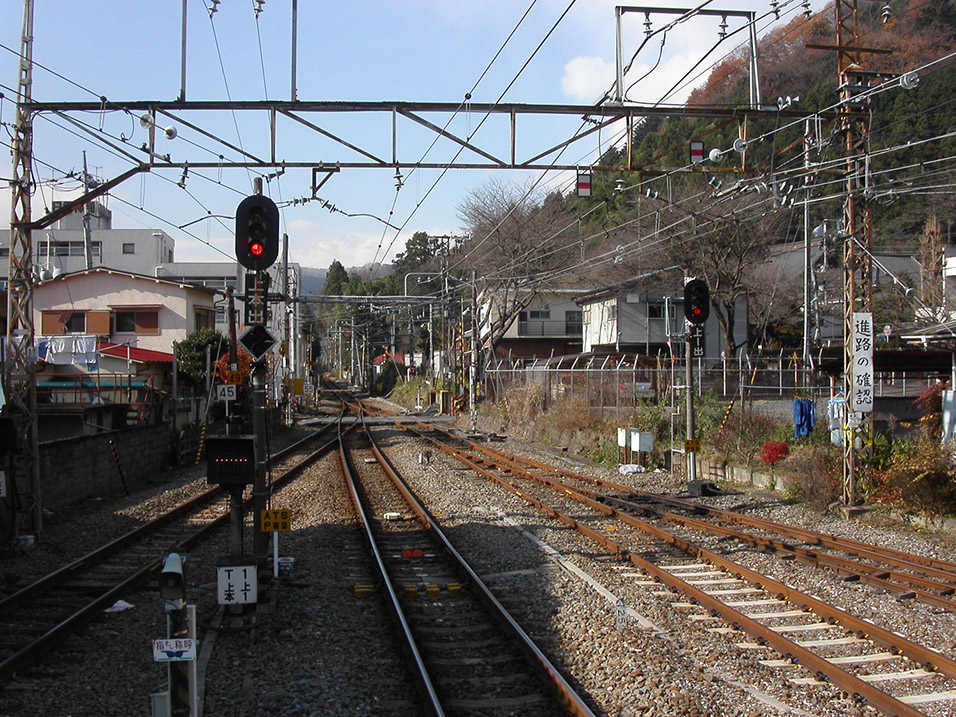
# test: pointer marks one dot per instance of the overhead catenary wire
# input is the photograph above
(462, 104)
(606, 95)
(824, 199)
(487, 115)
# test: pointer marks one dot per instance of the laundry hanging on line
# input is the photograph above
(803, 418)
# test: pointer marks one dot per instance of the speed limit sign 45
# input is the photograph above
(226, 392)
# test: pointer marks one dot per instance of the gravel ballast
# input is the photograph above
(324, 651)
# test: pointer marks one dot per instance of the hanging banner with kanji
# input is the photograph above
(861, 393)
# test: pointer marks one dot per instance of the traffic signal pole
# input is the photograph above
(689, 380)
(260, 491)
(257, 248)
(696, 312)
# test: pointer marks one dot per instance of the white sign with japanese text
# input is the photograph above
(238, 584)
(178, 650)
(861, 391)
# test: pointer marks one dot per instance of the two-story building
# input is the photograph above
(550, 325)
(646, 316)
(85, 239)
(104, 342)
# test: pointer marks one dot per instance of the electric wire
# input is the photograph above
(448, 122)
(487, 115)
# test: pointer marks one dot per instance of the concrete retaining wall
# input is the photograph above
(81, 467)
(713, 471)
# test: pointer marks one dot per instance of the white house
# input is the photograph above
(119, 307)
(644, 316)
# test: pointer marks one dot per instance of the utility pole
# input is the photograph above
(87, 217)
(473, 369)
(19, 380)
(857, 265)
(807, 258)
(287, 333)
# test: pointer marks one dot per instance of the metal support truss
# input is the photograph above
(19, 382)
(857, 265)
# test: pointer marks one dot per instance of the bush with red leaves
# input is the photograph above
(773, 451)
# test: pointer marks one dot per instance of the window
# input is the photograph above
(136, 322)
(205, 319)
(91, 321)
(67, 248)
(129, 248)
(656, 311)
(125, 322)
(75, 323)
(573, 323)
(539, 314)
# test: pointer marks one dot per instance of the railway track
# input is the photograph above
(37, 618)
(877, 667)
(466, 654)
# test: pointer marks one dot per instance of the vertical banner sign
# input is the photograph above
(696, 152)
(862, 369)
(584, 184)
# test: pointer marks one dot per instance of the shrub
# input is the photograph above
(523, 407)
(918, 476)
(744, 435)
(814, 474)
(773, 451)
(191, 354)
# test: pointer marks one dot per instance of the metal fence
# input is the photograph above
(611, 383)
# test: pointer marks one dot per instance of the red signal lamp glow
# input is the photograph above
(256, 248)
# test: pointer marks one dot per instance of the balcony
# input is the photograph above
(550, 329)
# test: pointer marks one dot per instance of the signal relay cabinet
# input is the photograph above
(231, 460)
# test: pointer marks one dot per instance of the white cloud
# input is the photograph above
(318, 246)
(586, 79)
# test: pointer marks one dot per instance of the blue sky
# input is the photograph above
(411, 50)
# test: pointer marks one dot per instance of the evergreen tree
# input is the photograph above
(336, 280)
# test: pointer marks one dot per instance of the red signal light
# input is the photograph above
(257, 232)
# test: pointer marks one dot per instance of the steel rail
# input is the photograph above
(890, 580)
(416, 664)
(49, 639)
(96, 556)
(932, 659)
(941, 569)
(538, 661)
(928, 658)
(849, 683)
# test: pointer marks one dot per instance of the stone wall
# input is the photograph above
(84, 466)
